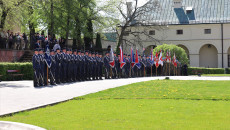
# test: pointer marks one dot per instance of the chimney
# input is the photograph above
(177, 3)
(129, 9)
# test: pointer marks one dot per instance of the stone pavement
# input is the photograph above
(21, 95)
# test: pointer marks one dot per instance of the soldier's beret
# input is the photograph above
(52, 50)
(86, 51)
(57, 49)
(96, 53)
(125, 54)
(36, 49)
(64, 48)
(75, 50)
(82, 52)
(128, 55)
(41, 49)
(118, 54)
(79, 51)
(139, 55)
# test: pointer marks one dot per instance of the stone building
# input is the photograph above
(200, 27)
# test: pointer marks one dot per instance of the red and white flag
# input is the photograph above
(122, 62)
(168, 57)
(111, 58)
(161, 59)
(156, 60)
(174, 60)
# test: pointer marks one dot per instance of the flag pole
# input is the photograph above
(130, 70)
(169, 69)
(111, 72)
(156, 71)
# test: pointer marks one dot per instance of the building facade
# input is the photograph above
(200, 27)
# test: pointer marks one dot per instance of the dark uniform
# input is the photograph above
(42, 69)
(107, 66)
(63, 66)
(36, 67)
(58, 73)
(52, 69)
(101, 64)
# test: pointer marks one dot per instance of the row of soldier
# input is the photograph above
(71, 66)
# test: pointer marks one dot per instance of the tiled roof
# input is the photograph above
(204, 11)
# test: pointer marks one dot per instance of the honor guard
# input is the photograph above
(75, 65)
(101, 64)
(52, 68)
(64, 66)
(36, 67)
(117, 65)
(42, 68)
(82, 73)
(107, 66)
(58, 66)
(97, 66)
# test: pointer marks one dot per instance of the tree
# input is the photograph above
(179, 52)
(98, 46)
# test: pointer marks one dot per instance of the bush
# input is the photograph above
(179, 52)
(196, 70)
(25, 68)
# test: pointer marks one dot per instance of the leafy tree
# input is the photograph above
(179, 52)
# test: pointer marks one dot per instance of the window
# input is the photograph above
(152, 32)
(179, 32)
(207, 31)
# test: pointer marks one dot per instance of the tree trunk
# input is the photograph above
(3, 18)
(32, 32)
(52, 19)
(67, 29)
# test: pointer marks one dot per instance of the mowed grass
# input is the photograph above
(162, 104)
(217, 75)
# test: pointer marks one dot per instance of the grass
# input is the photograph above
(148, 105)
(217, 75)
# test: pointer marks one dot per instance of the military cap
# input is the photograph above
(52, 50)
(57, 49)
(96, 53)
(128, 55)
(79, 51)
(36, 49)
(64, 48)
(86, 51)
(82, 52)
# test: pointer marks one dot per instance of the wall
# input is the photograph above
(10, 55)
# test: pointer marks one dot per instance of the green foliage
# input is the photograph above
(196, 70)
(98, 43)
(182, 105)
(25, 68)
(179, 52)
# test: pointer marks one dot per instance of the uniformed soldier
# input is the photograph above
(42, 68)
(87, 65)
(52, 68)
(143, 68)
(90, 66)
(139, 73)
(107, 66)
(83, 77)
(94, 61)
(148, 66)
(79, 65)
(101, 64)
(75, 65)
(127, 66)
(97, 66)
(36, 67)
(58, 66)
(114, 70)
(117, 64)
(64, 66)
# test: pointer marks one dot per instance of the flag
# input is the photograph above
(47, 56)
(161, 59)
(137, 60)
(156, 60)
(132, 58)
(168, 57)
(111, 59)
(122, 62)
(174, 60)
(151, 58)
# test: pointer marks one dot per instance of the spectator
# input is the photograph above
(25, 40)
(56, 46)
(37, 44)
(18, 41)
(11, 40)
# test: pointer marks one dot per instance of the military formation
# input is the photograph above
(69, 65)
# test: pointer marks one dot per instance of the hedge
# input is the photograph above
(196, 70)
(25, 68)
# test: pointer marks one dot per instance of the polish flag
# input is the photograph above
(122, 62)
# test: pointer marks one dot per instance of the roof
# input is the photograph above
(203, 11)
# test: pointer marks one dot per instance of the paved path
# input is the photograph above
(21, 95)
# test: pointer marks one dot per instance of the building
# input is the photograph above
(200, 27)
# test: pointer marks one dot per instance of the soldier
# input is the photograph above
(64, 66)
(83, 76)
(114, 70)
(87, 65)
(69, 68)
(36, 67)
(139, 74)
(143, 68)
(52, 68)
(90, 66)
(75, 65)
(97, 66)
(58, 66)
(78, 65)
(117, 65)
(101, 63)
(94, 61)
(148, 66)
(107, 66)
(42, 68)
(127, 66)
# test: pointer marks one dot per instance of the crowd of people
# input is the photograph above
(69, 65)
(18, 41)
(11, 40)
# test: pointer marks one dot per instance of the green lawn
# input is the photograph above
(218, 75)
(149, 105)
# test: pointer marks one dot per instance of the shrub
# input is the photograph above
(196, 70)
(179, 52)
(25, 68)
